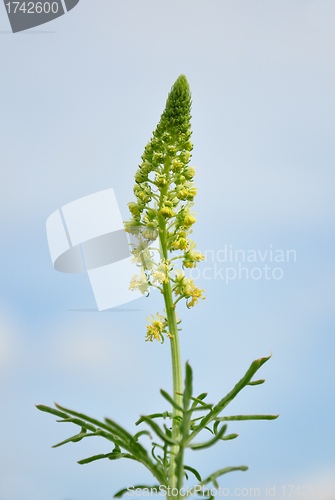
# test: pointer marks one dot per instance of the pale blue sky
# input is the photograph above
(79, 104)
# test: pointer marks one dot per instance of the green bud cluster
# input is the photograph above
(165, 177)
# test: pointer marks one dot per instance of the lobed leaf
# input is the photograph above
(255, 365)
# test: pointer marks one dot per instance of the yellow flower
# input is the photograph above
(156, 329)
(183, 194)
(186, 288)
(139, 283)
(189, 220)
(160, 277)
(150, 233)
(180, 244)
(191, 257)
(195, 293)
(161, 274)
(166, 212)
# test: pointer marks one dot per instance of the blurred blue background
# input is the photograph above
(80, 98)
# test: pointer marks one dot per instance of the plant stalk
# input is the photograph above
(176, 365)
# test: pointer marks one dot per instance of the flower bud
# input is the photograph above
(166, 212)
(150, 233)
(141, 176)
(134, 209)
(158, 157)
(188, 145)
(160, 180)
(191, 193)
(172, 151)
(183, 194)
(189, 173)
(184, 156)
(189, 220)
(176, 166)
(166, 137)
(180, 179)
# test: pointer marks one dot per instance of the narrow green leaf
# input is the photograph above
(127, 439)
(229, 436)
(257, 382)
(142, 433)
(198, 446)
(53, 411)
(120, 493)
(202, 396)
(154, 415)
(209, 429)
(247, 417)
(215, 427)
(135, 448)
(199, 400)
(92, 459)
(213, 477)
(188, 387)
(157, 445)
(79, 422)
(170, 400)
(110, 456)
(86, 418)
(137, 451)
(168, 431)
(201, 408)
(159, 431)
(255, 365)
(117, 456)
(158, 458)
(73, 439)
(119, 430)
(194, 471)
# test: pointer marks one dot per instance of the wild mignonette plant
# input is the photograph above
(159, 229)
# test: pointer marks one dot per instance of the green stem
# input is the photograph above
(176, 362)
(177, 379)
(174, 342)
